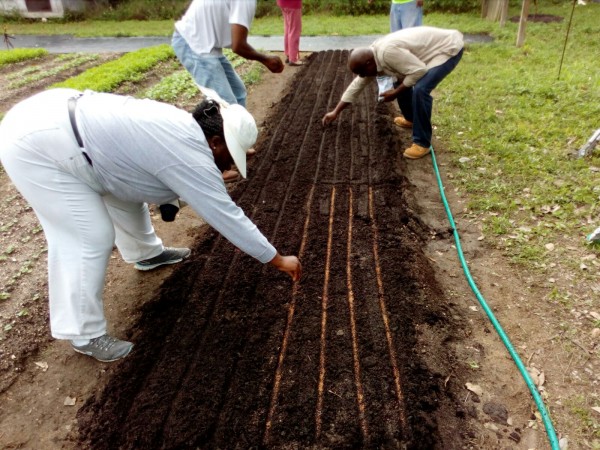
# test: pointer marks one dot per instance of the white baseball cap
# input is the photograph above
(239, 128)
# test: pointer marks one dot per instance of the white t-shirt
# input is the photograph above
(206, 25)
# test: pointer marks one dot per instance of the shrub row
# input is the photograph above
(130, 67)
(20, 54)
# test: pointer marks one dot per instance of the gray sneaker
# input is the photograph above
(105, 348)
(169, 255)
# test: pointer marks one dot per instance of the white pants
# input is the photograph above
(81, 222)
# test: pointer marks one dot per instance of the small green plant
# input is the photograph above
(581, 409)
(130, 67)
(4, 295)
(37, 75)
(473, 365)
(8, 226)
(179, 84)
(253, 74)
(10, 249)
(26, 267)
(20, 54)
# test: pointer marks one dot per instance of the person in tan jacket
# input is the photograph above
(420, 58)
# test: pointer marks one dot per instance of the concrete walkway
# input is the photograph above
(70, 44)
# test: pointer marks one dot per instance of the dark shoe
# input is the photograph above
(105, 348)
(168, 256)
(296, 63)
(287, 60)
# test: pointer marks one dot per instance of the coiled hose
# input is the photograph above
(530, 384)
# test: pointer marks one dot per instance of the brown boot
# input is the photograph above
(402, 122)
(415, 151)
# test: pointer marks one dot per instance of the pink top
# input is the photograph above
(292, 4)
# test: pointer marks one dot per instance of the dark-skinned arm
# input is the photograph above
(288, 264)
(240, 46)
(392, 94)
(332, 115)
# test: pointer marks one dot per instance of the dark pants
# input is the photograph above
(416, 102)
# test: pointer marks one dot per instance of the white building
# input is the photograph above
(41, 8)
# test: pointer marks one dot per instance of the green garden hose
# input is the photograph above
(530, 384)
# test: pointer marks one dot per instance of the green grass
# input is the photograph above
(312, 25)
(34, 74)
(130, 67)
(505, 108)
(20, 54)
(95, 28)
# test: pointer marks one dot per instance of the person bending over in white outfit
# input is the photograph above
(89, 184)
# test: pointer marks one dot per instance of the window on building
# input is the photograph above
(38, 5)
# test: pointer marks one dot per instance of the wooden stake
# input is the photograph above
(523, 22)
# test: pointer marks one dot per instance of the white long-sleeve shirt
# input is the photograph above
(408, 54)
(147, 151)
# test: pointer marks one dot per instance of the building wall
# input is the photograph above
(41, 8)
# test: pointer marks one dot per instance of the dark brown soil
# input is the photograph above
(231, 355)
(543, 18)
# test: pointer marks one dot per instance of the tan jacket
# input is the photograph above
(408, 54)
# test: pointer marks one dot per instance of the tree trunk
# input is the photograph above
(493, 9)
(504, 14)
(523, 23)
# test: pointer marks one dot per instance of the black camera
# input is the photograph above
(169, 211)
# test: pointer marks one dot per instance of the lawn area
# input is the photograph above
(312, 25)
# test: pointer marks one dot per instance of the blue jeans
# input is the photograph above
(213, 71)
(416, 102)
(405, 15)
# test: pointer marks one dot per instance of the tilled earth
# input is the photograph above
(232, 355)
(366, 351)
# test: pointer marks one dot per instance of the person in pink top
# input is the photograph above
(292, 28)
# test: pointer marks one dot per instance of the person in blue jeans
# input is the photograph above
(420, 58)
(403, 14)
(206, 28)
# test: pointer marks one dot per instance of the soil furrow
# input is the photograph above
(248, 359)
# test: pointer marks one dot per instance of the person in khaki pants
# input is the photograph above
(420, 58)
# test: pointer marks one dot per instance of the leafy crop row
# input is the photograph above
(178, 84)
(130, 67)
(33, 74)
(20, 54)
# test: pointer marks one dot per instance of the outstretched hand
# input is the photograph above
(329, 117)
(274, 64)
(288, 264)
